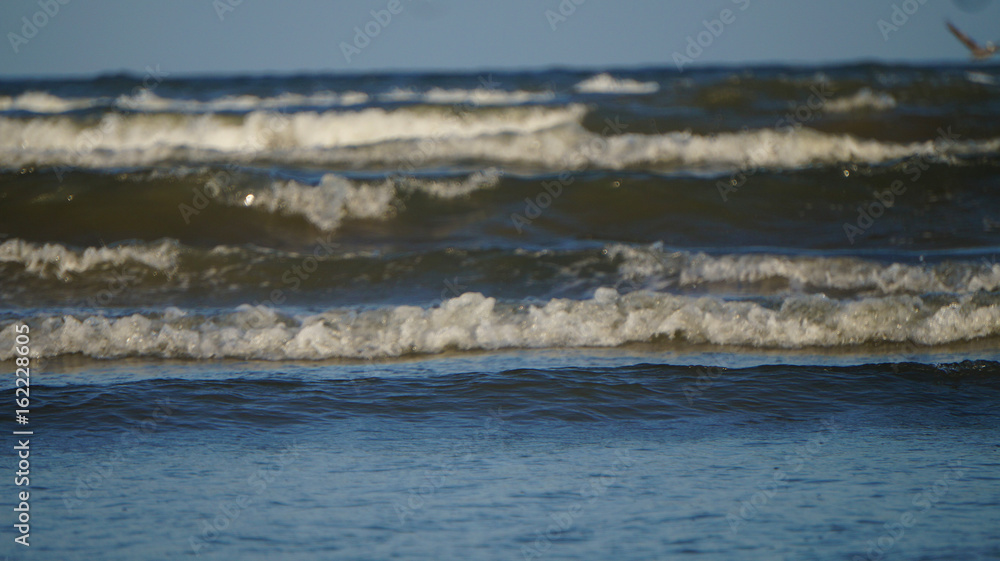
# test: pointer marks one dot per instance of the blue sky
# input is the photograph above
(256, 36)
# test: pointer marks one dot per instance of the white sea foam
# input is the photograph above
(336, 198)
(452, 188)
(863, 100)
(572, 147)
(478, 96)
(326, 205)
(55, 260)
(981, 78)
(653, 265)
(475, 322)
(140, 136)
(147, 100)
(41, 102)
(606, 83)
(541, 137)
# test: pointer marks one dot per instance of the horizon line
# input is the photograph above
(565, 68)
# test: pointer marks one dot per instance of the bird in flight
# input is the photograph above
(979, 52)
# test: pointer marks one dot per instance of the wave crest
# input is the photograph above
(606, 83)
(538, 137)
(473, 322)
(54, 260)
(652, 265)
(336, 198)
(863, 99)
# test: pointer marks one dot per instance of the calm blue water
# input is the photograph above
(725, 314)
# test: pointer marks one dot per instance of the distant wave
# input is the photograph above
(42, 102)
(606, 83)
(863, 99)
(264, 131)
(474, 322)
(479, 96)
(148, 100)
(981, 78)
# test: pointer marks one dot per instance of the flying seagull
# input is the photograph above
(979, 52)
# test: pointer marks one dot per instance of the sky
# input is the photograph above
(78, 37)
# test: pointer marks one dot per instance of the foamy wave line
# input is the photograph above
(42, 102)
(652, 265)
(55, 260)
(337, 198)
(863, 99)
(148, 101)
(606, 83)
(46, 103)
(478, 96)
(544, 138)
(474, 322)
(263, 131)
(572, 147)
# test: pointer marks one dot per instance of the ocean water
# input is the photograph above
(733, 313)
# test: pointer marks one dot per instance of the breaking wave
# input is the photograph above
(478, 96)
(541, 137)
(473, 322)
(625, 266)
(335, 198)
(653, 266)
(862, 100)
(53, 260)
(147, 100)
(151, 137)
(42, 102)
(606, 83)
